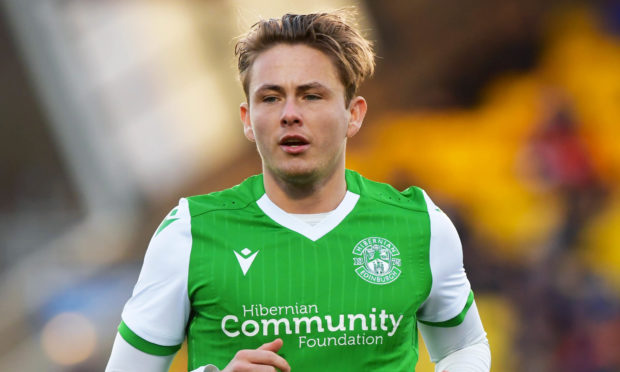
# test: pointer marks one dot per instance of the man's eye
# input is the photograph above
(269, 99)
(312, 97)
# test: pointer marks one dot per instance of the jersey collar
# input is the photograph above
(317, 231)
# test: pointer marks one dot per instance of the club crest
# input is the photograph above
(377, 260)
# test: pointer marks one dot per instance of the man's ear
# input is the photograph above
(244, 111)
(357, 109)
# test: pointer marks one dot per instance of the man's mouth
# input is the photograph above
(294, 144)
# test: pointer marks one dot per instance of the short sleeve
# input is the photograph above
(450, 296)
(155, 317)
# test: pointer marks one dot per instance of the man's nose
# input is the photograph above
(290, 113)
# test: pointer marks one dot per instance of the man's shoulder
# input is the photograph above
(234, 198)
(411, 198)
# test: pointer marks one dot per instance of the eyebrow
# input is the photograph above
(299, 89)
(313, 85)
(273, 87)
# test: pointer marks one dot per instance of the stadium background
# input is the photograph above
(507, 112)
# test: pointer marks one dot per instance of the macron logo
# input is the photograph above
(245, 259)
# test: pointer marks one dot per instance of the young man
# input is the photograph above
(307, 265)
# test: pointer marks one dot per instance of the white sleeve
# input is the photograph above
(155, 317)
(474, 358)
(450, 293)
(442, 342)
(126, 358)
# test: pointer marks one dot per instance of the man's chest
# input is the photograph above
(360, 267)
(357, 287)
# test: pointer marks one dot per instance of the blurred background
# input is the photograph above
(506, 112)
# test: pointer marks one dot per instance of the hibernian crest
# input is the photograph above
(377, 260)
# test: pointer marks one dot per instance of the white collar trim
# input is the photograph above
(314, 233)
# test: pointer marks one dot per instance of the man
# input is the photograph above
(309, 265)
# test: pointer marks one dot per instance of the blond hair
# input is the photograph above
(329, 33)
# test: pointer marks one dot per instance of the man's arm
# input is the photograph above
(448, 320)
(154, 319)
(462, 348)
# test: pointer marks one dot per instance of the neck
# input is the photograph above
(322, 195)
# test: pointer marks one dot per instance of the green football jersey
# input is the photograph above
(231, 270)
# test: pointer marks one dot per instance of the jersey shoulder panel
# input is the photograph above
(236, 197)
(157, 312)
(411, 198)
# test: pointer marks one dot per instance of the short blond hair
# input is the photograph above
(329, 32)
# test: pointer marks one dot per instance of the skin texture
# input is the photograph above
(295, 90)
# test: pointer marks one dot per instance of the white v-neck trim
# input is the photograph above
(312, 219)
(291, 222)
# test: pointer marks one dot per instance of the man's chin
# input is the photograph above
(298, 175)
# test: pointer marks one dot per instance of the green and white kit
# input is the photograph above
(231, 270)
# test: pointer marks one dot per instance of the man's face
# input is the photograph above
(297, 114)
